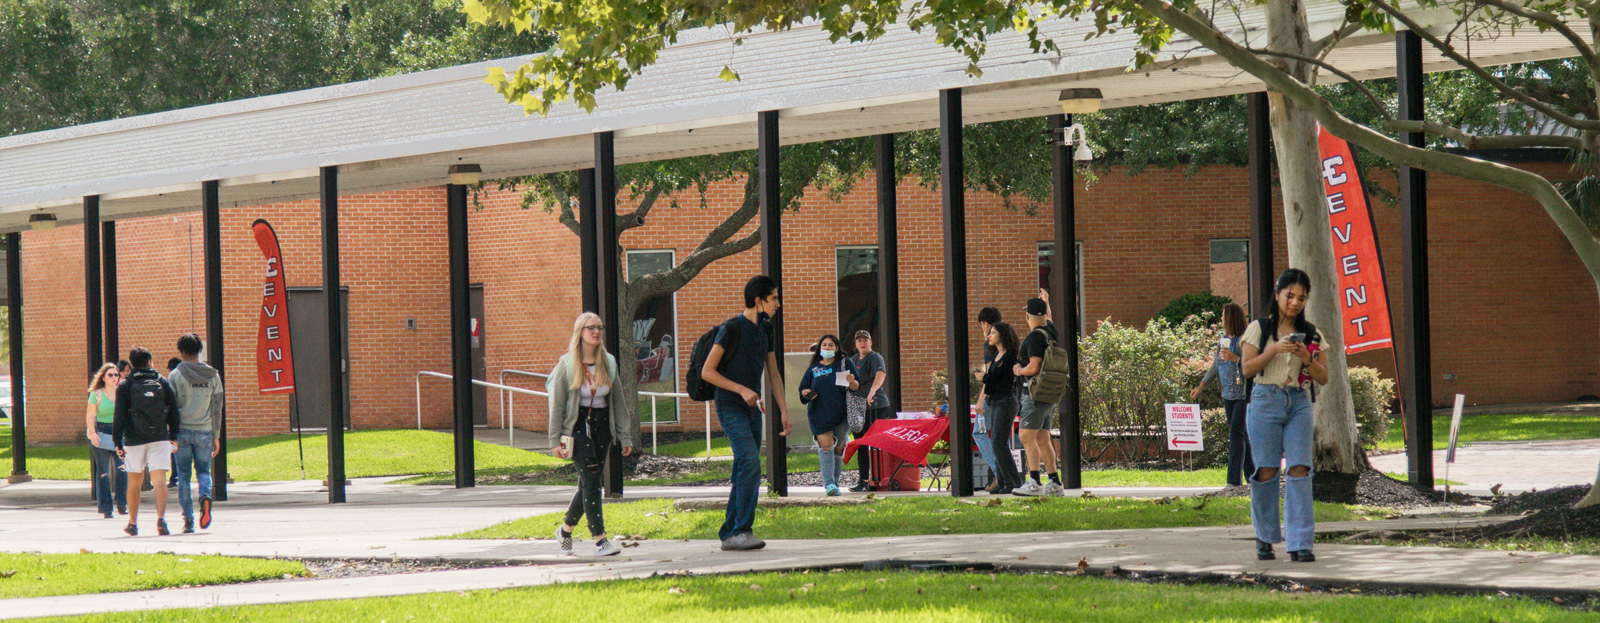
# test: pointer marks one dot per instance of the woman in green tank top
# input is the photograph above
(111, 478)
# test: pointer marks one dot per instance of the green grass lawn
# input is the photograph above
(908, 516)
(43, 575)
(1501, 427)
(887, 597)
(547, 475)
(277, 457)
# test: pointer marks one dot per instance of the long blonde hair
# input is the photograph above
(98, 381)
(602, 372)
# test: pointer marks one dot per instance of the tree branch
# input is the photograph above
(1321, 47)
(1352, 80)
(636, 218)
(1450, 52)
(1475, 142)
(1555, 23)
(567, 217)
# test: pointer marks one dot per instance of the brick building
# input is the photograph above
(1502, 275)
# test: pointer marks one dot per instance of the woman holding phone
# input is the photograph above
(583, 426)
(1283, 353)
(1225, 370)
(822, 388)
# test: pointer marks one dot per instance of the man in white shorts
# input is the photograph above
(145, 430)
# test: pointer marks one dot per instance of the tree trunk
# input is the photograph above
(1294, 136)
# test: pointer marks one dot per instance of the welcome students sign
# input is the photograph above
(1363, 299)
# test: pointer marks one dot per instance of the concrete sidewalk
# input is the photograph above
(1516, 465)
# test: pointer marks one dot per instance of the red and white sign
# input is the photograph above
(908, 439)
(274, 359)
(1183, 428)
(1363, 298)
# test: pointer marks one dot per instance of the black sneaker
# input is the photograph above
(861, 487)
(131, 530)
(188, 525)
(161, 527)
(1304, 555)
(1264, 551)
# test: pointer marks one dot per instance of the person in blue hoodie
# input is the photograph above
(822, 389)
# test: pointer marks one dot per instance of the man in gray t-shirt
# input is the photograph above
(872, 376)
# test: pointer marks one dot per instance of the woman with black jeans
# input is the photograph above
(1225, 368)
(582, 427)
(999, 408)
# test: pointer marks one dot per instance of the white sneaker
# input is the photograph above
(607, 547)
(1031, 489)
(563, 541)
(1054, 490)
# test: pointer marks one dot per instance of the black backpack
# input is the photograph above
(698, 388)
(147, 407)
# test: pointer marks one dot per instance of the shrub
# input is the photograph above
(1128, 375)
(936, 384)
(1214, 429)
(1371, 394)
(1189, 305)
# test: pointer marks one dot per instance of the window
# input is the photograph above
(1230, 271)
(857, 289)
(1047, 252)
(654, 341)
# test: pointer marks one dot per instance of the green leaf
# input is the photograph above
(728, 74)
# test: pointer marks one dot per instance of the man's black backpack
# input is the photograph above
(147, 407)
(698, 388)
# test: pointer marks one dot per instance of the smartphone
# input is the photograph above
(1297, 337)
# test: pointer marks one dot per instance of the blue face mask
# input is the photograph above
(827, 354)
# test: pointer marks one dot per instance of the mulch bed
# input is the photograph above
(1547, 513)
(1374, 488)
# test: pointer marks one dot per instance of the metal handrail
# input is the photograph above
(509, 405)
(504, 388)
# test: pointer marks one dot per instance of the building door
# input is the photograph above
(480, 400)
(310, 407)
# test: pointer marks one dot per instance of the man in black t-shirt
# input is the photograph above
(749, 340)
(1036, 418)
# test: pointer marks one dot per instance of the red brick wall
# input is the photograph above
(1502, 277)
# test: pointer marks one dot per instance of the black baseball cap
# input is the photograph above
(1037, 307)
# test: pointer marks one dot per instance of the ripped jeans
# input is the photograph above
(1280, 425)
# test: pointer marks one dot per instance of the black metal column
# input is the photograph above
(1416, 358)
(19, 415)
(888, 342)
(608, 273)
(586, 218)
(108, 285)
(211, 235)
(1064, 297)
(460, 333)
(1259, 147)
(767, 162)
(91, 281)
(329, 190)
(952, 184)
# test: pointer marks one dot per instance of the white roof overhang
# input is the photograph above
(404, 131)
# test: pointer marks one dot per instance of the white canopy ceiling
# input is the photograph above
(404, 131)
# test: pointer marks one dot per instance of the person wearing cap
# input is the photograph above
(1036, 418)
(872, 376)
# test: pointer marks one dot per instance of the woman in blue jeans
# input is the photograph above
(999, 405)
(111, 478)
(1225, 370)
(1283, 354)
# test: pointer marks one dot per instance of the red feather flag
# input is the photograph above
(274, 358)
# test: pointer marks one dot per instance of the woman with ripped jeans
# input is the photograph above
(583, 426)
(1283, 353)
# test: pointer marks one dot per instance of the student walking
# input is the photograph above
(743, 348)
(583, 426)
(998, 406)
(1283, 353)
(197, 390)
(145, 431)
(823, 388)
(1037, 418)
(871, 367)
(1226, 371)
(111, 478)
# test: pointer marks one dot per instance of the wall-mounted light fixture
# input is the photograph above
(41, 221)
(1076, 101)
(464, 174)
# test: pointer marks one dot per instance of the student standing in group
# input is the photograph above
(583, 426)
(1037, 418)
(822, 388)
(1283, 353)
(1225, 369)
(111, 479)
(172, 478)
(980, 432)
(145, 432)
(872, 374)
(746, 342)
(197, 390)
(998, 406)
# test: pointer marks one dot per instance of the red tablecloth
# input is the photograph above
(908, 439)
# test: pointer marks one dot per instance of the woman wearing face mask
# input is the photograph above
(1284, 354)
(823, 388)
(583, 426)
